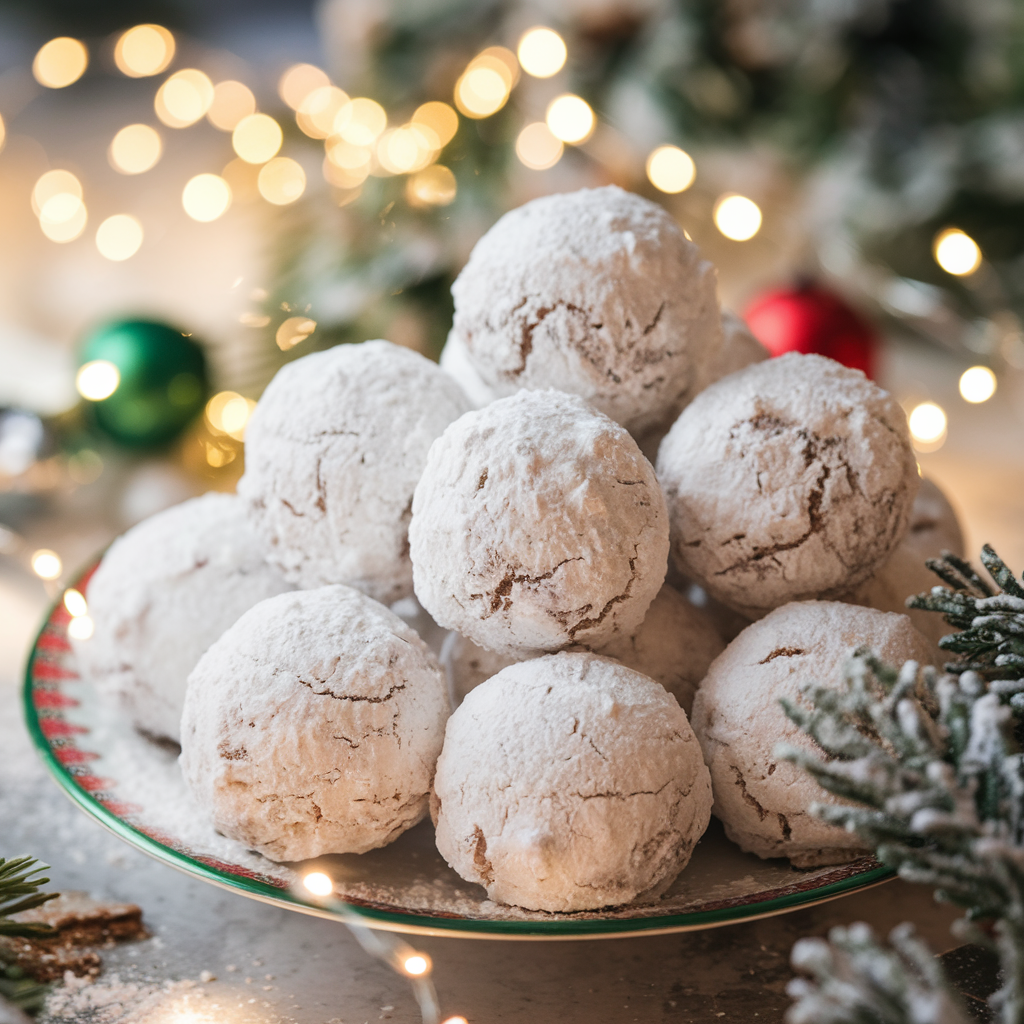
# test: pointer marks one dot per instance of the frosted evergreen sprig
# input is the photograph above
(936, 777)
(851, 978)
(991, 622)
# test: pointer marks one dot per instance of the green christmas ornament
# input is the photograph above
(143, 380)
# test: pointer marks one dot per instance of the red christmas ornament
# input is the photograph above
(812, 319)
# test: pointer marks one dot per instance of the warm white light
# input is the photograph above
(455, 1020)
(928, 425)
(281, 181)
(484, 86)
(119, 237)
(144, 50)
(737, 217)
(60, 208)
(51, 184)
(671, 169)
(135, 149)
(440, 118)
(541, 52)
(97, 380)
(206, 197)
(60, 62)
(406, 149)
(361, 122)
(58, 230)
(232, 101)
(318, 883)
(537, 148)
(570, 119)
(978, 384)
(416, 965)
(46, 564)
(434, 186)
(294, 330)
(80, 627)
(298, 82)
(184, 98)
(75, 602)
(257, 138)
(321, 109)
(957, 253)
(228, 412)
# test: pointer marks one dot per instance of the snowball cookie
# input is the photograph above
(332, 454)
(569, 782)
(537, 524)
(455, 362)
(933, 529)
(162, 594)
(313, 725)
(793, 478)
(597, 293)
(764, 802)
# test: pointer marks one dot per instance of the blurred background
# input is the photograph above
(193, 193)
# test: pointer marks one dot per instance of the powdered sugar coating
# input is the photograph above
(763, 802)
(569, 783)
(537, 524)
(933, 529)
(332, 454)
(674, 646)
(313, 725)
(162, 594)
(456, 363)
(595, 292)
(793, 478)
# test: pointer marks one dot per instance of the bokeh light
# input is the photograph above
(978, 384)
(60, 62)
(46, 564)
(956, 252)
(135, 149)
(257, 138)
(144, 50)
(97, 380)
(737, 217)
(433, 186)
(232, 101)
(54, 183)
(417, 965)
(406, 149)
(242, 179)
(318, 883)
(63, 217)
(293, 331)
(183, 98)
(439, 118)
(671, 169)
(298, 82)
(281, 181)
(541, 52)
(570, 119)
(74, 602)
(481, 91)
(206, 197)
(321, 109)
(228, 412)
(537, 148)
(361, 122)
(80, 627)
(927, 423)
(119, 237)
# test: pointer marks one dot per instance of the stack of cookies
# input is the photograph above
(603, 482)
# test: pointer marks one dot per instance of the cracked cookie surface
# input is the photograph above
(332, 454)
(313, 726)
(791, 479)
(763, 802)
(537, 524)
(569, 782)
(162, 594)
(596, 292)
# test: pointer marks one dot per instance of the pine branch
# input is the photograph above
(19, 891)
(991, 623)
(936, 777)
(854, 979)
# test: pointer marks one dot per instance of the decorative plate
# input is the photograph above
(132, 786)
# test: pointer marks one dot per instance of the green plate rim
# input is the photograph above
(411, 923)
